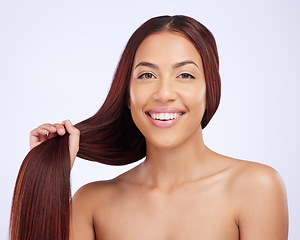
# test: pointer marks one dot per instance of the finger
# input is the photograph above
(52, 135)
(74, 133)
(47, 126)
(46, 131)
(60, 128)
(41, 130)
(41, 134)
(36, 140)
(73, 139)
(53, 129)
(38, 135)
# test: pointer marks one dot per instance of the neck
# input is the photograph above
(170, 167)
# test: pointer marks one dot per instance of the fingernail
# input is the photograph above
(70, 122)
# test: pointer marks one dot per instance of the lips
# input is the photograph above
(164, 117)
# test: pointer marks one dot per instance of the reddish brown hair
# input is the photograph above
(42, 199)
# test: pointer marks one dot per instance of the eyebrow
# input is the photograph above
(176, 65)
(180, 64)
(147, 64)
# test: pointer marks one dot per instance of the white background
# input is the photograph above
(57, 59)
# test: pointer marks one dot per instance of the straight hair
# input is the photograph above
(42, 196)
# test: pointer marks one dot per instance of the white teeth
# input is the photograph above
(165, 116)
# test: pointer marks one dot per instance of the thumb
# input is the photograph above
(73, 140)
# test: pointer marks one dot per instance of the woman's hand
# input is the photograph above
(47, 131)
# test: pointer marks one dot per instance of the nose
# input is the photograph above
(165, 92)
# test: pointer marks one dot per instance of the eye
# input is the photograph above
(146, 76)
(186, 76)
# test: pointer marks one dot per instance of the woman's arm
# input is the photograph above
(82, 226)
(263, 211)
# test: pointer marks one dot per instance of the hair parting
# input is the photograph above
(42, 197)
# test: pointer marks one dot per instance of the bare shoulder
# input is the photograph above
(260, 199)
(84, 203)
(256, 177)
(249, 179)
(101, 194)
(247, 175)
(95, 192)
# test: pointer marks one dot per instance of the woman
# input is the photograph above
(165, 91)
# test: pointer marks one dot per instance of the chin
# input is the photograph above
(163, 143)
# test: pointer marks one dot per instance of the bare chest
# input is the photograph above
(179, 216)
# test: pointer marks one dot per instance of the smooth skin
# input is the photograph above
(183, 190)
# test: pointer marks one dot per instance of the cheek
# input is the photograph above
(136, 96)
(195, 97)
(202, 97)
(137, 102)
(139, 97)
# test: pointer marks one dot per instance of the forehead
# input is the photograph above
(167, 46)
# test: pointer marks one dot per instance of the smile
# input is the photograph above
(165, 116)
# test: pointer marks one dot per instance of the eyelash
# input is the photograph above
(186, 76)
(146, 76)
(151, 76)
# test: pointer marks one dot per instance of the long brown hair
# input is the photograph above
(42, 196)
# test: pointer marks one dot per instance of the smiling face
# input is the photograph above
(167, 89)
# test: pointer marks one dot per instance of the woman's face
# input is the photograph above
(167, 89)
